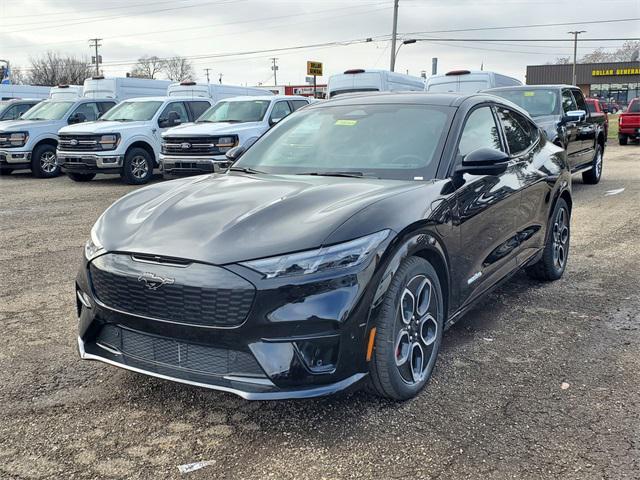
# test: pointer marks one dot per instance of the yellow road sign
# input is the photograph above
(314, 68)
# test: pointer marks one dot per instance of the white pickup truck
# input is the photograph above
(200, 147)
(126, 141)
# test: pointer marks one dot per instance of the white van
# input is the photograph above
(121, 88)
(360, 80)
(214, 91)
(65, 92)
(467, 81)
(10, 91)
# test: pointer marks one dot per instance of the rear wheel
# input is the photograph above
(138, 167)
(81, 177)
(43, 161)
(593, 176)
(623, 139)
(408, 331)
(556, 251)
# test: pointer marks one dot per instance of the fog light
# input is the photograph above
(110, 160)
(319, 355)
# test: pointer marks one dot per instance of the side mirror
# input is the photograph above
(273, 121)
(172, 119)
(484, 161)
(235, 153)
(575, 115)
(77, 118)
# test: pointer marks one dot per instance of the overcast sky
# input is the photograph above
(131, 28)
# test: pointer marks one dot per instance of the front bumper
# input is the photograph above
(82, 162)
(301, 338)
(15, 158)
(182, 165)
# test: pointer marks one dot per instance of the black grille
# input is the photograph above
(197, 294)
(184, 356)
(79, 143)
(77, 162)
(194, 145)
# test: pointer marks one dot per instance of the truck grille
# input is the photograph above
(196, 146)
(173, 353)
(192, 294)
(79, 143)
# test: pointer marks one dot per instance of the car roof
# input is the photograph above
(449, 99)
(531, 87)
(265, 97)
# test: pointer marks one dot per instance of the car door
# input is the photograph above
(525, 142)
(280, 110)
(485, 212)
(570, 127)
(587, 128)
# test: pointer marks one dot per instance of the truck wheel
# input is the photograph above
(593, 176)
(43, 162)
(623, 139)
(81, 177)
(5, 171)
(138, 167)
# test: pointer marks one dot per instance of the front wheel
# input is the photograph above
(138, 167)
(5, 171)
(593, 176)
(623, 139)
(556, 251)
(408, 331)
(43, 162)
(81, 177)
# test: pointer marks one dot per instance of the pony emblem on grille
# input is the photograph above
(153, 281)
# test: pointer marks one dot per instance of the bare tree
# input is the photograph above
(179, 69)
(54, 69)
(147, 67)
(18, 76)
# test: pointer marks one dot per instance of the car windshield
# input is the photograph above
(634, 106)
(537, 102)
(458, 86)
(238, 112)
(132, 111)
(48, 110)
(396, 141)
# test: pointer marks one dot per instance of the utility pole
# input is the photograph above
(95, 42)
(220, 75)
(394, 34)
(207, 72)
(274, 67)
(575, 34)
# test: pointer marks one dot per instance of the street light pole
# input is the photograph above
(575, 34)
(394, 35)
(406, 42)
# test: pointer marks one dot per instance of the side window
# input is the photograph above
(580, 103)
(106, 106)
(518, 130)
(177, 107)
(89, 111)
(25, 107)
(479, 131)
(298, 104)
(280, 110)
(567, 101)
(10, 113)
(198, 108)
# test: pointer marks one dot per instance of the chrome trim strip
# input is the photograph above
(109, 349)
(169, 264)
(276, 395)
(83, 300)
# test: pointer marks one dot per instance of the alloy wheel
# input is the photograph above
(139, 167)
(417, 330)
(598, 163)
(560, 238)
(48, 162)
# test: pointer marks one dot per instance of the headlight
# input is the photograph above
(163, 148)
(225, 144)
(15, 139)
(93, 247)
(109, 142)
(343, 255)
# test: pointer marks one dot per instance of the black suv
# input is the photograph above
(561, 111)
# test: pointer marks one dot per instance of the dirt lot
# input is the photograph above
(540, 381)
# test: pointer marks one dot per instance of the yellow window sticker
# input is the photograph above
(346, 123)
(529, 94)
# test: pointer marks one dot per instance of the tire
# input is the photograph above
(81, 177)
(556, 250)
(138, 167)
(593, 176)
(395, 372)
(623, 139)
(43, 162)
(5, 171)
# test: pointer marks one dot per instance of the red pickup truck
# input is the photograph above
(629, 123)
(599, 114)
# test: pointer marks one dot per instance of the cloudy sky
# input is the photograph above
(213, 32)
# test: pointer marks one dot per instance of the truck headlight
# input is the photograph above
(334, 257)
(15, 139)
(110, 141)
(225, 144)
(93, 248)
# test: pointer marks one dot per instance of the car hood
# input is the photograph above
(233, 217)
(222, 128)
(102, 127)
(26, 125)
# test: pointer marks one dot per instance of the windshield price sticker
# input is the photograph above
(346, 123)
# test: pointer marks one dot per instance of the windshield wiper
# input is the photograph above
(245, 170)
(116, 120)
(337, 174)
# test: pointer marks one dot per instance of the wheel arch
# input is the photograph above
(46, 141)
(145, 146)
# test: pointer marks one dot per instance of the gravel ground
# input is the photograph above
(539, 381)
